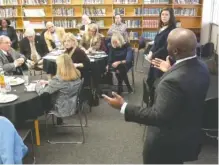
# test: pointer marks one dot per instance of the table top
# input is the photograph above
(23, 95)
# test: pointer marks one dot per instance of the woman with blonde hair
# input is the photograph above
(91, 40)
(120, 59)
(81, 61)
(63, 87)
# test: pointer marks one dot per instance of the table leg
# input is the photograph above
(37, 132)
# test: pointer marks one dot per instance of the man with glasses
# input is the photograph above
(11, 61)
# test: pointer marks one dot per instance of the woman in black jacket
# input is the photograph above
(9, 31)
(159, 49)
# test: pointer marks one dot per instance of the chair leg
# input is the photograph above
(85, 115)
(133, 80)
(34, 157)
(37, 132)
(144, 133)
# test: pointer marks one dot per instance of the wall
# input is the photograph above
(206, 20)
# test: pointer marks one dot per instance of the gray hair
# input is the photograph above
(29, 32)
(3, 37)
(119, 38)
(49, 24)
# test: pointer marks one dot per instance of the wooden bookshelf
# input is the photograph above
(191, 22)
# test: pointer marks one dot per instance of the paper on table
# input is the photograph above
(49, 57)
(31, 87)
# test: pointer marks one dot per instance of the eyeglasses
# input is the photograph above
(8, 42)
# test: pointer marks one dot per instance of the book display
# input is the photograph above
(141, 16)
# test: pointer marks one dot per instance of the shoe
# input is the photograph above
(130, 90)
(120, 90)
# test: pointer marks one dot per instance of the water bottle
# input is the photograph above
(2, 78)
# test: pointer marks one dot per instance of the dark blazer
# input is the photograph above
(79, 56)
(159, 47)
(25, 47)
(12, 35)
(174, 120)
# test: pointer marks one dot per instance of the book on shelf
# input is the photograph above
(95, 11)
(93, 1)
(133, 35)
(65, 23)
(59, 2)
(62, 11)
(8, 12)
(13, 23)
(149, 35)
(100, 23)
(34, 2)
(133, 23)
(138, 11)
(34, 13)
(8, 2)
(150, 23)
(186, 2)
(34, 24)
(151, 11)
(185, 12)
(125, 1)
(120, 11)
(178, 24)
(156, 1)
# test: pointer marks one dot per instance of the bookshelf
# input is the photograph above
(141, 16)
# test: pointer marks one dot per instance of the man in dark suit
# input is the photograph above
(174, 120)
(33, 48)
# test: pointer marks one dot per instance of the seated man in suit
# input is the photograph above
(174, 121)
(32, 47)
(11, 61)
(54, 36)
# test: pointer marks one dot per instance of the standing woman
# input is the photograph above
(9, 31)
(159, 49)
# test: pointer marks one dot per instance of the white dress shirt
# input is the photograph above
(177, 62)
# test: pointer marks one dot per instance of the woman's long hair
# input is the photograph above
(172, 20)
(91, 26)
(66, 69)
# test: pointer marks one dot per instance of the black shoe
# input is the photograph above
(59, 121)
(120, 90)
(130, 90)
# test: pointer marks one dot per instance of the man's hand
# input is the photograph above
(149, 56)
(21, 60)
(115, 64)
(116, 102)
(162, 65)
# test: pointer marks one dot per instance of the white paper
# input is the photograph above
(49, 57)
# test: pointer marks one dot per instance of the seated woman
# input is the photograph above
(63, 87)
(91, 40)
(7, 30)
(31, 46)
(120, 59)
(81, 61)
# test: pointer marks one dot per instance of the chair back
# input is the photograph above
(207, 50)
(79, 95)
(210, 115)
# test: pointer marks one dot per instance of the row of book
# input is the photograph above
(8, 12)
(186, 1)
(95, 11)
(61, 1)
(120, 11)
(66, 23)
(34, 12)
(133, 35)
(156, 1)
(125, 1)
(185, 12)
(100, 23)
(150, 23)
(35, 2)
(8, 2)
(62, 11)
(93, 1)
(149, 35)
(133, 23)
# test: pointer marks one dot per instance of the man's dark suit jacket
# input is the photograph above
(174, 120)
(25, 47)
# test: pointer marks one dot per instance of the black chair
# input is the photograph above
(27, 136)
(207, 50)
(210, 118)
(79, 112)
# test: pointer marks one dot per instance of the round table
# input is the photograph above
(28, 105)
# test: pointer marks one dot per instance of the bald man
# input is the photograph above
(174, 121)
